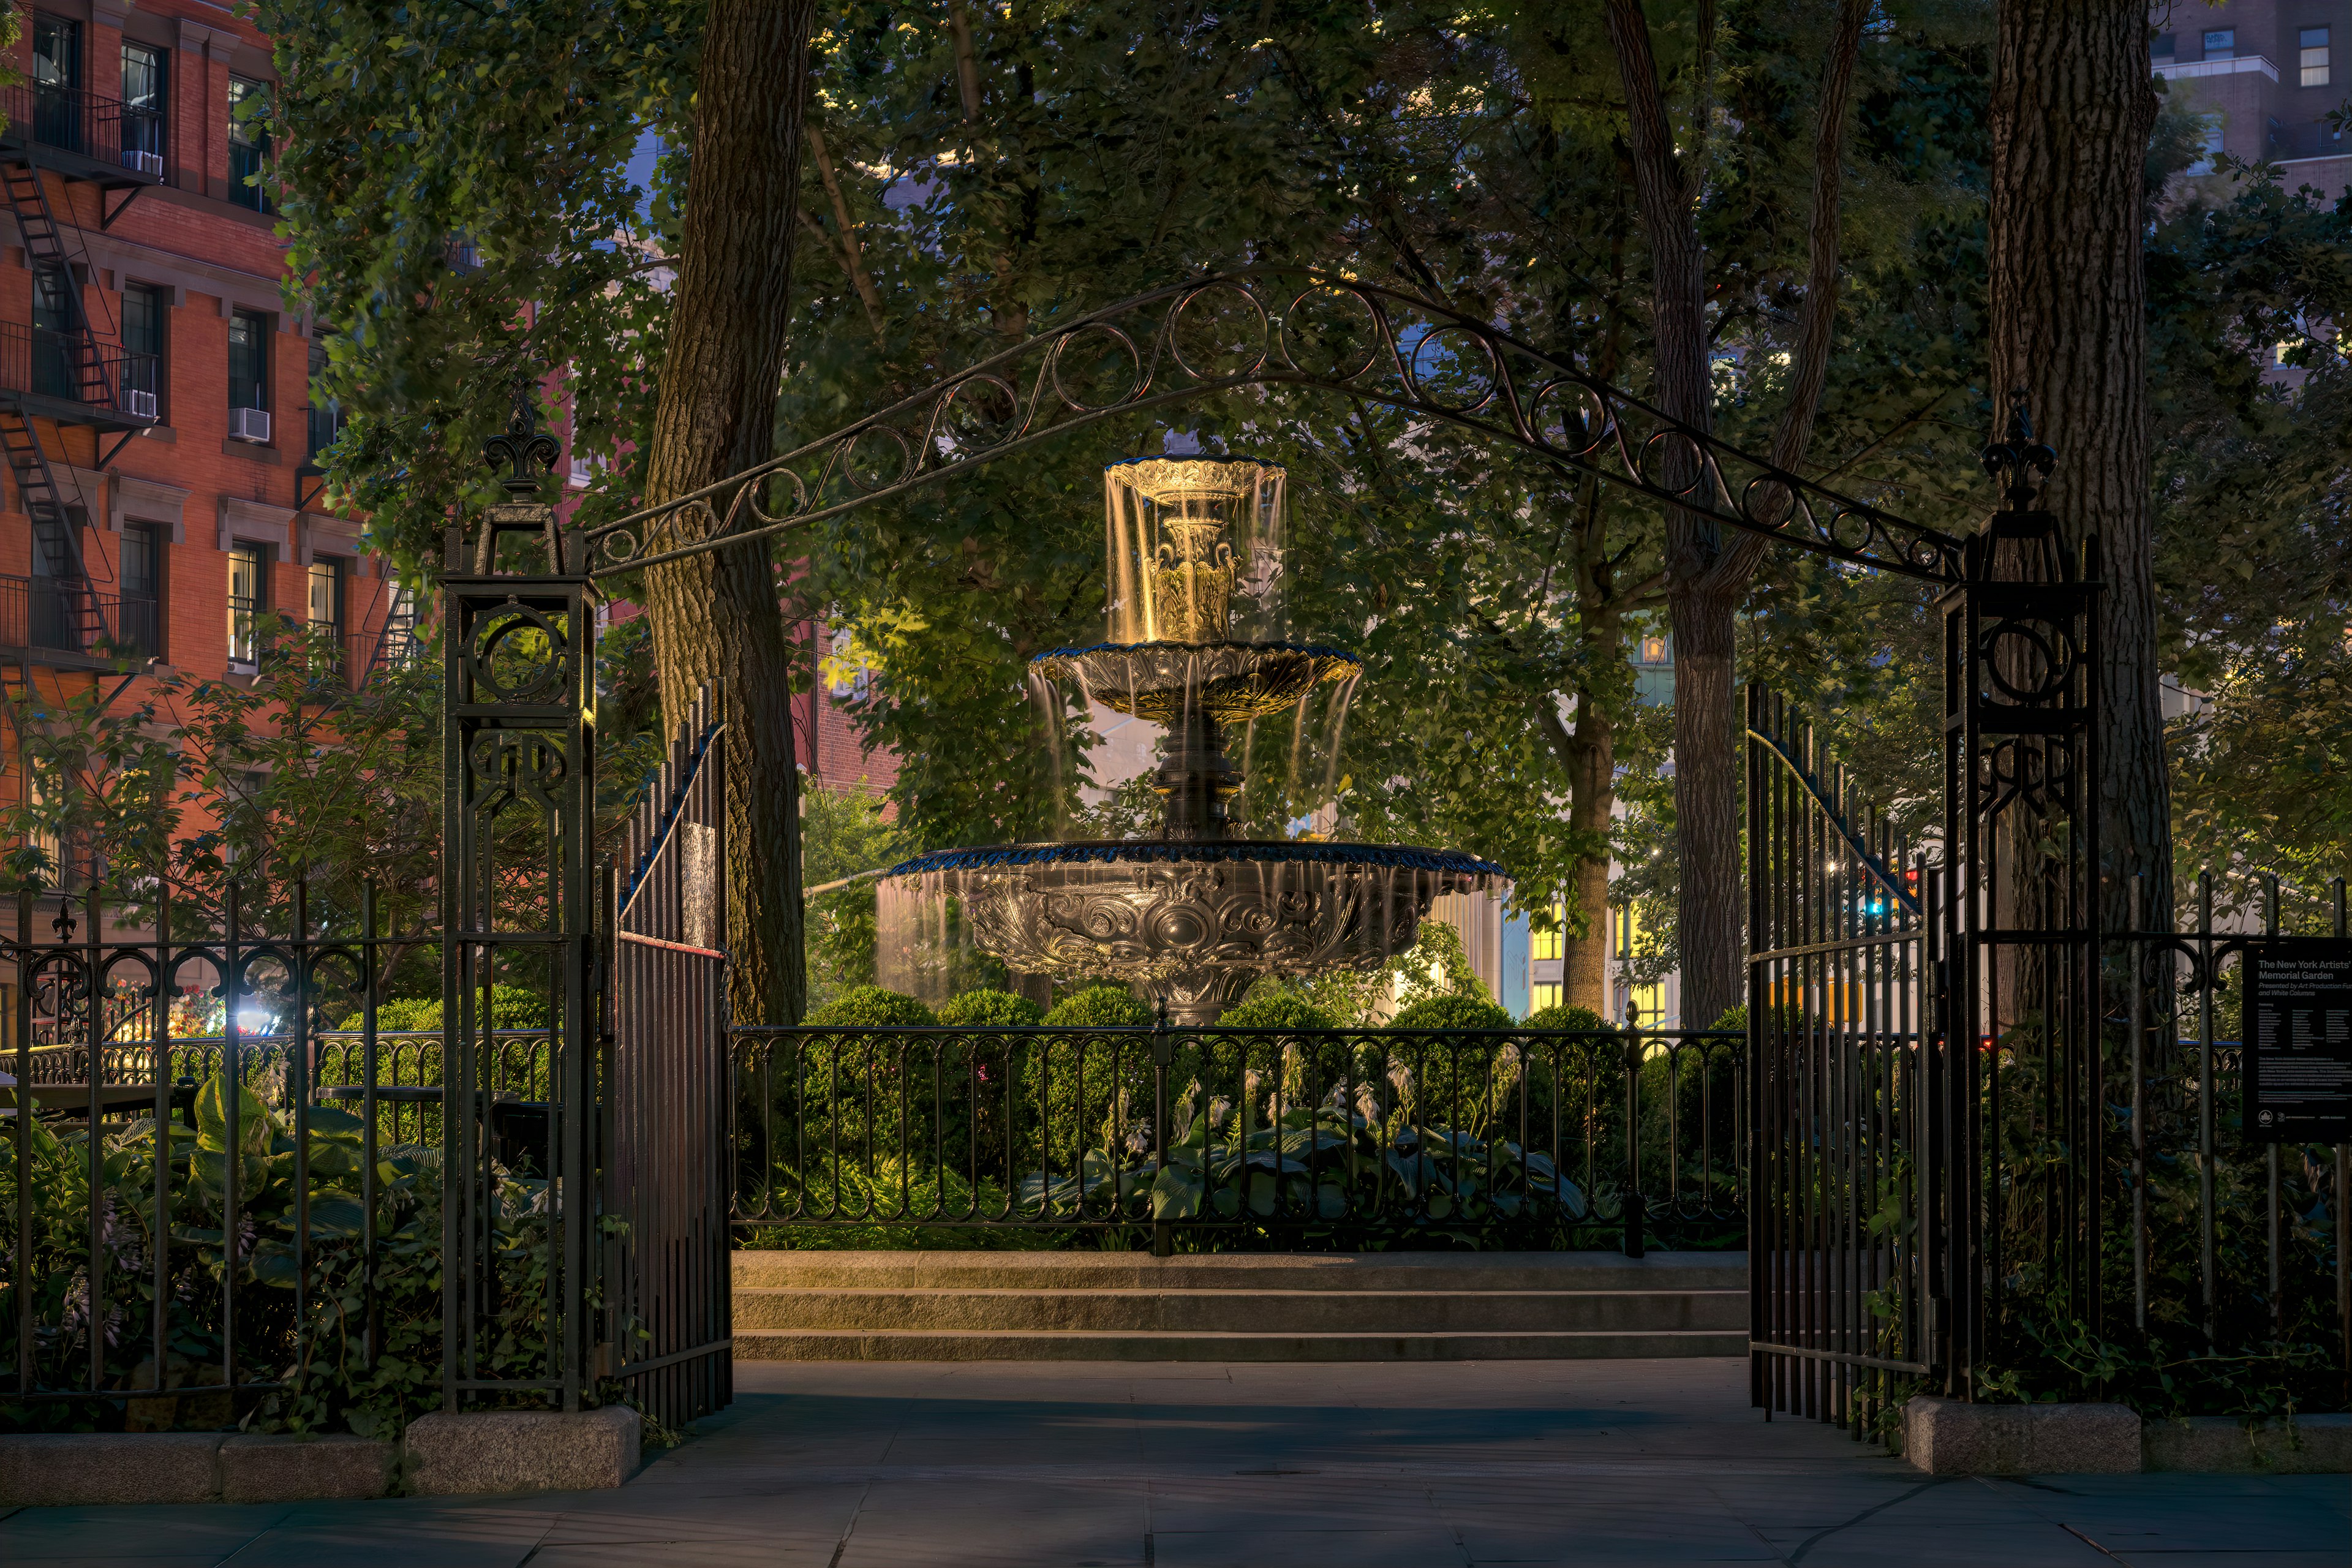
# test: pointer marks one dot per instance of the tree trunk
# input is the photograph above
(1706, 577)
(2071, 111)
(714, 616)
(1592, 803)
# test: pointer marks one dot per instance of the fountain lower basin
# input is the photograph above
(1192, 925)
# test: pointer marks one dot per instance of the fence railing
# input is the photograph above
(78, 119)
(77, 368)
(1489, 1137)
(71, 615)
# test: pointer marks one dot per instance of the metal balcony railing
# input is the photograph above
(73, 368)
(90, 124)
(71, 615)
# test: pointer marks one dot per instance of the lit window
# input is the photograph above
(2313, 44)
(248, 596)
(1545, 945)
(2221, 44)
(1542, 997)
(1653, 650)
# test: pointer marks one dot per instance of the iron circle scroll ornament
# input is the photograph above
(1323, 332)
(501, 661)
(2031, 662)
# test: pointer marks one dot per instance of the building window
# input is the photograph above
(57, 82)
(249, 599)
(142, 109)
(327, 575)
(2221, 44)
(1654, 649)
(2162, 48)
(248, 143)
(248, 361)
(139, 632)
(143, 345)
(1544, 994)
(2312, 45)
(1544, 946)
(53, 334)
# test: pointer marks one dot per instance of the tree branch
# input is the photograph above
(853, 260)
(1817, 321)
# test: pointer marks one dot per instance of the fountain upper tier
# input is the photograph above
(1230, 683)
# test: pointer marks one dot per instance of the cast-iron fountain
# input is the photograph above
(1193, 918)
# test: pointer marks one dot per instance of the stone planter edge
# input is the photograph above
(1950, 1437)
(470, 1452)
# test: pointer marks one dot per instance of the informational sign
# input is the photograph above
(2298, 1052)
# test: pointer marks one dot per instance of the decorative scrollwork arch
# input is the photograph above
(1281, 326)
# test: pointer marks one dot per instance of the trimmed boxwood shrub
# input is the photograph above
(1574, 1020)
(1454, 1012)
(987, 1008)
(1100, 1007)
(871, 1007)
(1280, 1011)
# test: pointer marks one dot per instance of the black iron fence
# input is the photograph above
(1342, 1138)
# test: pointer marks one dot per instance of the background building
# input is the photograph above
(2264, 74)
(154, 388)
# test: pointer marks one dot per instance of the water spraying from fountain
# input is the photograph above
(1193, 918)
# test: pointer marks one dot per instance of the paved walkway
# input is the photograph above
(1603, 1464)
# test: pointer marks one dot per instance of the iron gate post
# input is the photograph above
(519, 903)
(2022, 912)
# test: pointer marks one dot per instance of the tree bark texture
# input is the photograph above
(716, 618)
(1707, 575)
(2071, 111)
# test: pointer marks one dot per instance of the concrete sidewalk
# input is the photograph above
(1655, 1463)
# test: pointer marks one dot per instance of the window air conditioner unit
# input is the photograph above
(145, 162)
(139, 405)
(248, 424)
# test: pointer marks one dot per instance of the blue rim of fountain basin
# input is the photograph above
(1295, 851)
(1325, 649)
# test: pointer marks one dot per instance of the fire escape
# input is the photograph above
(64, 369)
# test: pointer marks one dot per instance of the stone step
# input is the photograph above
(1081, 1345)
(1237, 1311)
(1373, 1271)
(1263, 1307)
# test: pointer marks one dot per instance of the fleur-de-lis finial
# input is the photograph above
(523, 446)
(2016, 460)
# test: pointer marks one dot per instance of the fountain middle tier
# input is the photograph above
(1192, 925)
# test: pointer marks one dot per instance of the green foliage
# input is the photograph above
(843, 833)
(1103, 1006)
(314, 1340)
(1281, 1010)
(511, 1007)
(1453, 1011)
(1436, 966)
(991, 1009)
(1580, 1020)
(871, 1007)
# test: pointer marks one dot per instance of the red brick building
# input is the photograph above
(154, 387)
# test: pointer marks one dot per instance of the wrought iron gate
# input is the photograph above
(668, 1180)
(1849, 1142)
(1927, 1085)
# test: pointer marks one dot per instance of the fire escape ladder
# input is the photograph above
(65, 605)
(55, 246)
